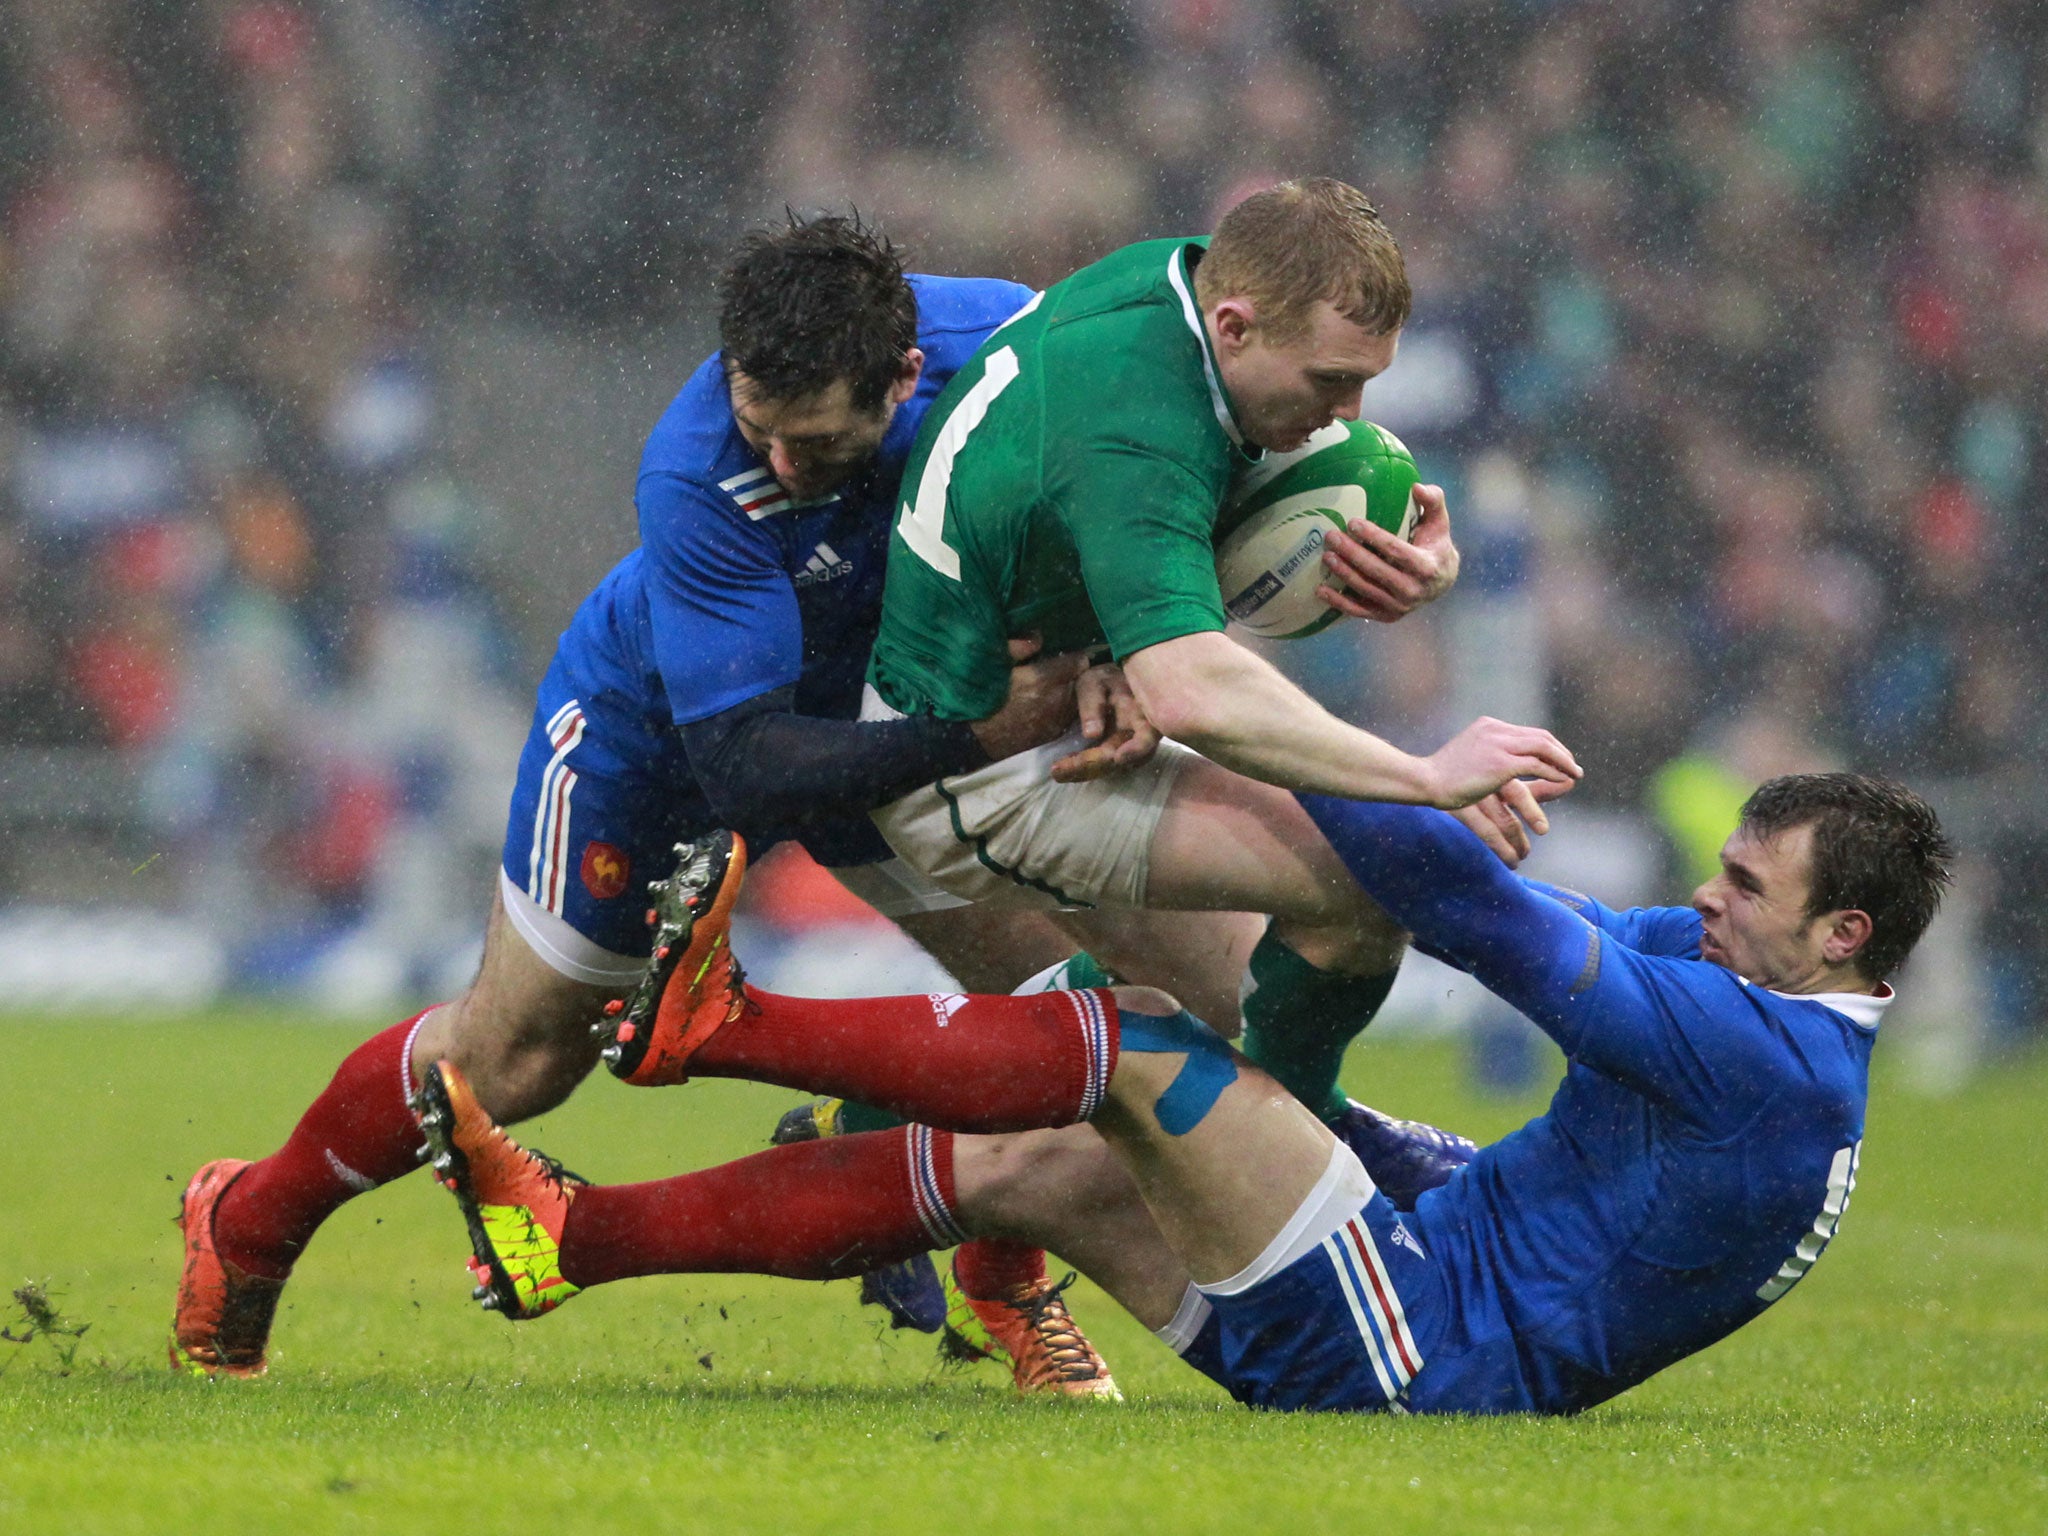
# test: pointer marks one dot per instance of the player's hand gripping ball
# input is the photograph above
(1269, 558)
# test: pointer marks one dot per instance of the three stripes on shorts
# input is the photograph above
(547, 877)
(1375, 1306)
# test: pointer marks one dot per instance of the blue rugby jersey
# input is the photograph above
(1690, 1169)
(736, 590)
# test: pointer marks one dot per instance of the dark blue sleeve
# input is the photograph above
(723, 610)
(1647, 930)
(762, 765)
(1680, 1032)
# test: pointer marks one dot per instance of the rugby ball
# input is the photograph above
(1269, 554)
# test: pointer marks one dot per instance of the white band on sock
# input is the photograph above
(926, 1197)
(405, 1082)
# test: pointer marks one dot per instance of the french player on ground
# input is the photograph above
(1696, 1161)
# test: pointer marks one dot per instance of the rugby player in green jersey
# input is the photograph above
(1068, 484)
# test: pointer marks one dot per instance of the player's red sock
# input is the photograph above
(816, 1210)
(988, 1268)
(979, 1064)
(358, 1134)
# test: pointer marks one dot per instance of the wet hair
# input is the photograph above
(1878, 848)
(1291, 245)
(812, 301)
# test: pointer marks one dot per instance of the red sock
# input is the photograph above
(988, 1267)
(979, 1064)
(817, 1210)
(358, 1134)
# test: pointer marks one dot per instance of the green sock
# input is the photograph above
(865, 1117)
(1298, 1022)
(1082, 971)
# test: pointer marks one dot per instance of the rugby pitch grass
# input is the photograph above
(1902, 1387)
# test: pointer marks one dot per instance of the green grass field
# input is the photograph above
(1902, 1387)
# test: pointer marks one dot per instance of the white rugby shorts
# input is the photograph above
(1007, 835)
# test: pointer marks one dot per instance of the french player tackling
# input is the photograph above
(1696, 1161)
(711, 678)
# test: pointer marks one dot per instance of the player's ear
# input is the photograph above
(1848, 931)
(907, 376)
(1233, 321)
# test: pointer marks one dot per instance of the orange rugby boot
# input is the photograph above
(222, 1325)
(514, 1201)
(693, 985)
(1029, 1329)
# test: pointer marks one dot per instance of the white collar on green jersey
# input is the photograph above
(1178, 274)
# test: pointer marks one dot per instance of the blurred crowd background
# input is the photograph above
(329, 333)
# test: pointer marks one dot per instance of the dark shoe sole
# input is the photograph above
(437, 1123)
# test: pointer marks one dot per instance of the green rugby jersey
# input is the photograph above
(1067, 481)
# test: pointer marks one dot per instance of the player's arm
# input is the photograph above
(1677, 1031)
(1236, 709)
(1673, 931)
(762, 764)
(1141, 524)
(728, 640)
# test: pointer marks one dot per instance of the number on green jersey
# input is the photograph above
(923, 524)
